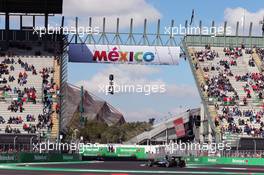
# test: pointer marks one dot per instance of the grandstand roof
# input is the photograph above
(158, 129)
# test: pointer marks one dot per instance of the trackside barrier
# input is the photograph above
(117, 152)
(225, 160)
(35, 157)
(8, 158)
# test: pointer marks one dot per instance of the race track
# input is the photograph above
(119, 168)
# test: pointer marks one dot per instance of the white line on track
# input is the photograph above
(50, 163)
(230, 168)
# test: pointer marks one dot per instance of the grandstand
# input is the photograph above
(28, 90)
(230, 81)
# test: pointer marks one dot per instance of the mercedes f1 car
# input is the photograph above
(167, 161)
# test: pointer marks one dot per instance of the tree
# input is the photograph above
(99, 132)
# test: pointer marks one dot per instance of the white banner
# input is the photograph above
(161, 55)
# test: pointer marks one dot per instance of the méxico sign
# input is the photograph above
(162, 55)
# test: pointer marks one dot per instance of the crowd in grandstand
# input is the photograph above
(231, 118)
(15, 120)
(256, 82)
(10, 130)
(16, 105)
(260, 53)
(24, 95)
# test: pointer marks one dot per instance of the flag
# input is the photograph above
(192, 17)
(243, 19)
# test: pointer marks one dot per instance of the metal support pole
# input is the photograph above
(145, 32)
(46, 21)
(130, 38)
(117, 26)
(31, 142)
(117, 36)
(250, 29)
(15, 142)
(90, 36)
(171, 40)
(62, 25)
(81, 108)
(213, 28)
(225, 24)
(250, 34)
(200, 31)
(158, 40)
(200, 27)
(34, 21)
(21, 22)
(237, 28)
(7, 30)
(103, 30)
(131, 31)
(76, 28)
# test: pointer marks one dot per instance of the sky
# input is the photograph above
(181, 91)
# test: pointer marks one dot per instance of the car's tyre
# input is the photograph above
(182, 164)
(149, 164)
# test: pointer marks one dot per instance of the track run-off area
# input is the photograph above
(119, 168)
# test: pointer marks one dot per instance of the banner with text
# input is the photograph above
(160, 55)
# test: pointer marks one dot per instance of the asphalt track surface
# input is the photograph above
(120, 168)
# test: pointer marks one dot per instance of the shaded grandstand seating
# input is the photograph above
(25, 142)
(251, 144)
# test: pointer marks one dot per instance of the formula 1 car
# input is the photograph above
(167, 162)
